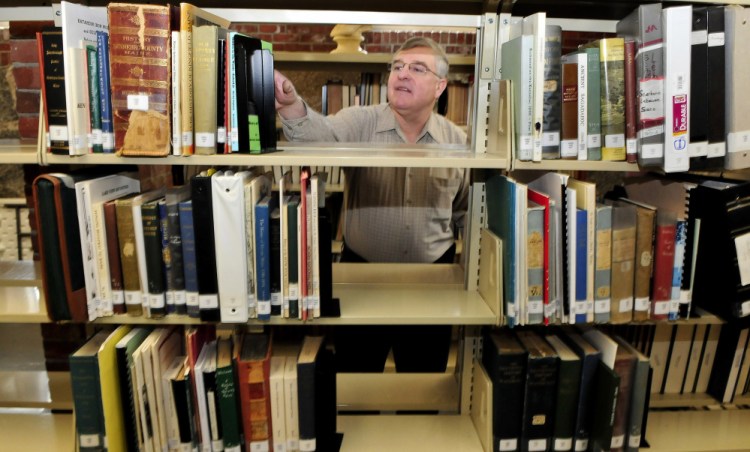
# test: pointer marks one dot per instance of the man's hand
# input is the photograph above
(288, 103)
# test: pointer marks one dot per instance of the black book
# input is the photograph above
(54, 90)
(716, 87)
(316, 386)
(698, 146)
(152, 240)
(540, 392)
(205, 251)
(606, 390)
(275, 260)
(221, 96)
(730, 352)
(505, 361)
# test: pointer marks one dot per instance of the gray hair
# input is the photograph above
(441, 59)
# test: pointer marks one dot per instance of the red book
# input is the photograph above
(304, 182)
(661, 285)
(631, 98)
(113, 255)
(253, 374)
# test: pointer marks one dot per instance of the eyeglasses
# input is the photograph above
(417, 69)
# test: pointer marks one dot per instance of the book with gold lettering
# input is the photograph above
(140, 67)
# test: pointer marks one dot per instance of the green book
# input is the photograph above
(593, 104)
(612, 94)
(228, 399)
(95, 110)
(87, 394)
(205, 54)
(152, 241)
(568, 389)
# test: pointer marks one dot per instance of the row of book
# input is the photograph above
(223, 248)
(106, 90)
(159, 389)
(661, 93)
(649, 249)
(565, 389)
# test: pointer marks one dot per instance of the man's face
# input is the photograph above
(409, 91)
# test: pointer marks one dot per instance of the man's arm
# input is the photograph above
(288, 104)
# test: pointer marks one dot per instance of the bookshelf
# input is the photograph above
(369, 294)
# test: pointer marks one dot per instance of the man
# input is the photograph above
(393, 214)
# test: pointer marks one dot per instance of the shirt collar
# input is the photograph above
(387, 122)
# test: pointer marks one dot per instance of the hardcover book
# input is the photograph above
(552, 92)
(568, 389)
(603, 264)
(676, 23)
(540, 392)
(53, 90)
(140, 65)
(716, 64)
(316, 386)
(228, 397)
(624, 239)
(644, 258)
(87, 394)
(737, 78)
(593, 105)
(572, 138)
(254, 373)
(205, 249)
(517, 55)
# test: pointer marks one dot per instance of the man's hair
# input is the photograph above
(441, 59)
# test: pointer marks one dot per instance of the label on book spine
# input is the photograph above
(550, 309)
(563, 443)
(88, 440)
(603, 306)
(208, 301)
(307, 445)
(661, 307)
(132, 297)
(156, 301)
(642, 304)
(192, 299)
(257, 446)
(550, 139)
(535, 306)
(537, 445)
(118, 298)
(205, 139)
(582, 445)
(58, 133)
(508, 444)
(618, 441)
(626, 304)
(138, 102)
(180, 298)
(634, 441)
(745, 309)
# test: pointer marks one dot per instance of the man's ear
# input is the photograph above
(442, 84)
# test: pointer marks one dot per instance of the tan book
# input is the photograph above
(140, 71)
(205, 54)
(131, 281)
(586, 200)
(191, 16)
(623, 254)
(644, 258)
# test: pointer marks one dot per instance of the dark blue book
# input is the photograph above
(105, 91)
(95, 114)
(263, 256)
(581, 262)
(188, 258)
(166, 255)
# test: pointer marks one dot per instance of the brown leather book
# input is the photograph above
(644, 258)
(631, 98)
(113, 255)
(140, 72)
(623, 255)
(131, 281)
(569, 126)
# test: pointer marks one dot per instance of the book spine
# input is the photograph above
(644, 263)
(176, 99)
(113, 255)
(539, 403)
(568, 387)
(676, 23)
(582, 112)
(698, 146)
(140, 98)
(167, 269)
(316, 197)
(593, 106)
(103, 296)
(205, 250)
(631, 100)
(205, 54)
(252, 305)
(54, 92)
(176, 281)
(79, 117)
(95, 136)
(717, 146)
(263, 259)
(293, 214)
(189, 259)
(603, 265)
(650, 72)
(612, 66)
(257, 419)
(108, 136)
(84, 379)
(232, 76)
(625, 369)
(552, 92)
(664, 254)
(226, 389)
(679, 262)
(129, 258)
(569, 115)
(307, 401)
(274, 255)
(154, 263)
(535, 260)
(221, 96)
(624, 237)
(581, 250)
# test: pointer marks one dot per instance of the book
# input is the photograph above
(113, 257)
(316, 386)
(128, 256)
(140, 244)
(643, 25)
(568, 389)
(257, 189)
(263, 255)
(603, 263)
(659, 355)
(501, 221)
(573, 134)
(540, 392)
(586, 200)
(517, 56)
(698, 146)
(593, 105)
(53, 89)
(664, 255)
(278, 409)
(87, 393)
(625, 362)
(679, 355)
(190, 270)
(230, 222)
(580, 306)
(155, 282)
(105, 88)
(176, 278)
(124, 349)
(548, 248)
(631, 101)
(205, 61)
(730, 352)
(227, 394)
(676, 23)
(535, 257)
(205, 248)
(644, 258)
(109, 379)
(716, 64)
(191, 16)
(639, 396)
(505, 361)
(607, 389)
(254, 373)
(552, 92)
(534, 26)
(92, 66)
(140, 77)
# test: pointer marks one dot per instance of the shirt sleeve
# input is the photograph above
(352, 124)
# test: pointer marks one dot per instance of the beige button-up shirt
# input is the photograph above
(393, 214)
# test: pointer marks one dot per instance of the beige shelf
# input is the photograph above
(681, 401)
(720, 430)
(18, 152)
(449, 433)
(36, 389)
(37, 430)
(392, 391)
(20, 273)
(575, 165)
(22, 305)
(332, 154)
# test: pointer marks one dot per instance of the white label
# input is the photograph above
(221, 135)
(236, 448)
(292, 444)
(535, 307)
(526, 143)
(674, 305)
(306, 445)
(156, 301)
(602, 306)
(549, 309)
(118, 297)
(742, 245)
(217, 444)
(79, 142)
(511, 310)
(563, 444)
(651, 132)
(580, 307)
(717, 149)
(745, 309)
(652, 151)
(508, 444)
(208, 301)
(536, 445)
(187, 138)
(170, 297)
(205, 139)
(96, 136)
(626, 304)
(631, 146)
(235, 136)
(582, 445)
(551, 139)
(716, 39)
(192, 299)
(258, 446)
(569, 148)
(314, 303)
(594, 140)
(89, 440)
(617, 441)
(698, 149)
(58, 133)
(685, 296)
(615, 140)
(738, 141)
(680, 83)
(699, 37)
(279, 447)
(293, 292)
(132, 297)
(251, 301)
(108, 140)
(642, 304)
(49, 142)
(264, 308)
(661, 307)
(651, 93)
(138, 102)
(634, 441)
(275, 299)
(180, 298)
